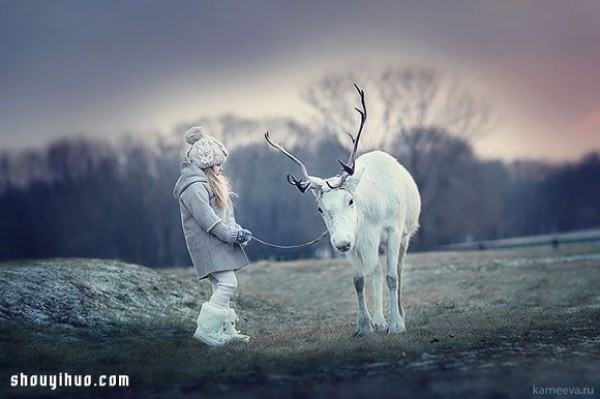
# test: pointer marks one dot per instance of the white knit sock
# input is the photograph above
(224, 285)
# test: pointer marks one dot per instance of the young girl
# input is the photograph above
(214, 239)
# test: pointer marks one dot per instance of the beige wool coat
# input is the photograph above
(199, 214)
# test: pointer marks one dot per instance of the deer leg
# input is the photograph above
(363, 322)
(396, 321)
(403, 249)
(378, 317)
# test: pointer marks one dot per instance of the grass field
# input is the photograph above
(479, 324)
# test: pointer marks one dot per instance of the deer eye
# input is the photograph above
(351, 202)
(320, 210)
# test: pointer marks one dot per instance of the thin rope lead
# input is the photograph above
(316, 240)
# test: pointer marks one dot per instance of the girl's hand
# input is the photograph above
(243, 237)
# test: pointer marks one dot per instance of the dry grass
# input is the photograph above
(472, 319)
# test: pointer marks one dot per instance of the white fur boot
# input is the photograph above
(213, 323)
(230, 328)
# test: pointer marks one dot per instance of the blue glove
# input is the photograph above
(243, 237)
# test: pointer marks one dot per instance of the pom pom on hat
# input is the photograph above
(194, 134)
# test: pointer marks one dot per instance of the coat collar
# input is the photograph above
(190, 174)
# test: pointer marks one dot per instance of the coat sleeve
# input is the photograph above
(195, 198)
(231, 218)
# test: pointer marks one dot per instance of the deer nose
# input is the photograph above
(343, 248)
(341, 245)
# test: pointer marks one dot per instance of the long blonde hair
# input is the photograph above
(221, 187)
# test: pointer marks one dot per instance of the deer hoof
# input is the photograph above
(396, 328)
(379, 327)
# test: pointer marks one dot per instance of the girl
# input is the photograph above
(214, 240)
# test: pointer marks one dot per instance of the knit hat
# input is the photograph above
(205, 150)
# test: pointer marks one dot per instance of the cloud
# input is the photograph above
(70, 66)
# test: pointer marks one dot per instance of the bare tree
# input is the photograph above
(399, 100)
(447, 171)
(5, 180)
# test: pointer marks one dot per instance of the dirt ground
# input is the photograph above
(479, 324)
(487, 324)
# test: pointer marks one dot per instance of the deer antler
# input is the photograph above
(348, 167)
(302, 185)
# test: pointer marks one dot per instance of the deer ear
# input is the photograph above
(352, 181)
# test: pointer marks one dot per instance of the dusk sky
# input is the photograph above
(104, 68)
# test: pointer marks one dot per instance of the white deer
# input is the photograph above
(374, 203)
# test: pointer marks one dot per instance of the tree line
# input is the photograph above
(89, 198)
